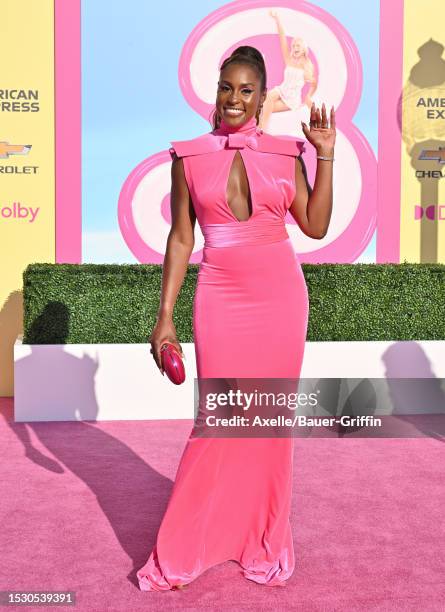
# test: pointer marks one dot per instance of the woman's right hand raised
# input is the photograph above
(163, 331)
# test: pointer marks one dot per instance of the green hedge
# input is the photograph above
(117, 303)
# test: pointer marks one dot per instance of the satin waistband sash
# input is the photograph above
(244, 233)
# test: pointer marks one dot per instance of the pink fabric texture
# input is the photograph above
(231, 496)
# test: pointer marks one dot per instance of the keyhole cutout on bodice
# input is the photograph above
(238, 196)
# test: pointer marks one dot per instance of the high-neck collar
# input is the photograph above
(249, 127)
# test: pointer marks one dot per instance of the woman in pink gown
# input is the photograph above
(231, 496)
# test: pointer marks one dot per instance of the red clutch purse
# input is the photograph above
(172, 363)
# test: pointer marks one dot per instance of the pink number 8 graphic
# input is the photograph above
(143, 209)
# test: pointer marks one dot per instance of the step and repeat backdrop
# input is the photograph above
(93, 91)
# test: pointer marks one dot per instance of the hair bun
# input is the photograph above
(248, 52)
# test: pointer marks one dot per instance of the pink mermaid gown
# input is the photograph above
(231, 496)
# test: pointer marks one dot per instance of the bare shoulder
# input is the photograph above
(177, 169)
(301, 176)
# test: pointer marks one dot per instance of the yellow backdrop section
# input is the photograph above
(27, 175)
(423, 130)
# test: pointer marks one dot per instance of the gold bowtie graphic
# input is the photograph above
(433, 155)
(7, 149)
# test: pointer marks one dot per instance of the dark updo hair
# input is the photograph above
(249, 56)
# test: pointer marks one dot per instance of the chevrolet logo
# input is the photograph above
(433, 155)
(7, 149)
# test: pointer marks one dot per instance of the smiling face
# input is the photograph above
(239, 94)
(297, 48)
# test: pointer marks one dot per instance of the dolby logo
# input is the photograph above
(433, 212)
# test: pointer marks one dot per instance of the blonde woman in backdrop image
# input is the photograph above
(299, 70)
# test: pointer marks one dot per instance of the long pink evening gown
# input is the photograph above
(231, 496)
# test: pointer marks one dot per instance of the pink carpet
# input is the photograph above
(81, 504)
